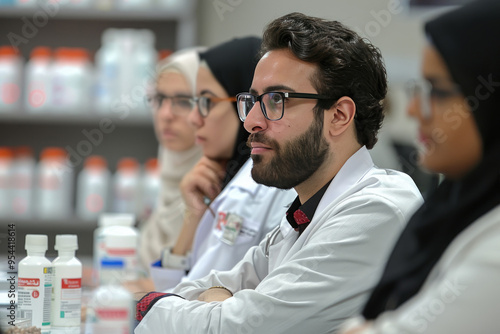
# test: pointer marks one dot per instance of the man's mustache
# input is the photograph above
(261, 138)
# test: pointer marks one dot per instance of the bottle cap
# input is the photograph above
(36, 242)
(116, 219)
(95, 161)
(152, 165)
(41, 52)
(6, 152)
(66, 242)
(128, 163)
(53, 153)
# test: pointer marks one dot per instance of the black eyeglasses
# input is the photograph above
(272, 104)
(206, 102)
(181, 105)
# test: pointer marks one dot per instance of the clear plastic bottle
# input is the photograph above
(107, 69)
(71, 80)
(144, 60)
(126, 196)
(6, 156)
(23, 174)
(35, 283)
(53, 185)
(67, 282)
(123, 224)
(151, 184)
(11, 68)
(93, 188)
(38, 80)
(110, 310)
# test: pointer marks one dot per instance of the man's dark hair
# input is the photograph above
(348, 66)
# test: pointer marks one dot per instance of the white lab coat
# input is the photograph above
(261, 209)
(461, 293)
(309, 284)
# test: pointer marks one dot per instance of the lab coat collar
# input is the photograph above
(351, 172)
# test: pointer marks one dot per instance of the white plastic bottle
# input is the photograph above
(35, 283)
(67, 282)
(5, 178)
(107, 60)
(110, 310)
(120, 258)
(93, 188)
(38, 81)
(151, 184)
(71, 80)
(53, 185)
(113, 229)
(126, 196)
(144, 60)
(11, 67)
(23, 174)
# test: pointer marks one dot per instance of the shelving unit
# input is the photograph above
(174, 27)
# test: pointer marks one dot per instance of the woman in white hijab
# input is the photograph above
(171, 102)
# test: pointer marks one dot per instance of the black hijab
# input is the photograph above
(233, 64)
(465, 38)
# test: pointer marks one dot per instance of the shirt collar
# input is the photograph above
(293, 215)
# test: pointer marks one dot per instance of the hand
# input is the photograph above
(214, 295)
(204, 180)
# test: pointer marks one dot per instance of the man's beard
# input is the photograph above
(294, 162)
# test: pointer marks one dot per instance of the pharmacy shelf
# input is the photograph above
(141, 120)
(180, 10)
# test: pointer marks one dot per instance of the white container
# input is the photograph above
(11, 68)
(151, 184)
(53, 185)
(144, 60)
(35, 283)
(38, 82)
(71, 80)
(126, 187)
(110, 310)
(107, 69)
(6, 156)
(93, 188)
(23, 174)
(67, 282)
(115, 246)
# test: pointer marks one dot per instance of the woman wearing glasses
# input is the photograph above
(227, 212)
(443, 274)
(171, 103)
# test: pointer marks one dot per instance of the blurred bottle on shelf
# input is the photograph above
(126, 186)
(151, 184)
(38, 80)
(133, 4)
(125, 66)
(6, 157)
(71, 80)
(93, 188)
(23, 171)
(53, 192)
(11, 68)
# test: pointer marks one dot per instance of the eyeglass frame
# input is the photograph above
(213, 99)
(428, 93)
(283, 96)
(150, 98)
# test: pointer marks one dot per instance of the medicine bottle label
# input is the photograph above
(35, 295)
(71, 294)
(115, 320)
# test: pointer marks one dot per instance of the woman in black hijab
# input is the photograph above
(444, 272)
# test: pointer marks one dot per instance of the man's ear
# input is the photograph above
(340, 116)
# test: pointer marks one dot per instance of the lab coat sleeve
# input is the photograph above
(323, 283)
(166, 278)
